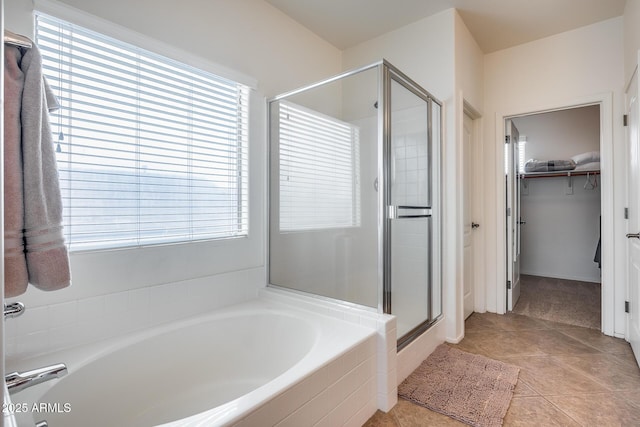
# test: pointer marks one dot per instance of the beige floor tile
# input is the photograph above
(628, 357)
(408, 414)
(475, 342)
(479, 322)
(381, 419)
(535, 412)
(522, 389)
(516, 322)
(567, 375)
(609, 370)
(633, 397)
(606, 409)
(597, 339)
(554, 342)
(550, 377)
(508, 344)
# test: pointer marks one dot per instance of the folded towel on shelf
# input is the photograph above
(591, 166)
(549, 165)
(588, 157)
(40, 204)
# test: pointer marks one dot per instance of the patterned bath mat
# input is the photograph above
(468, 387)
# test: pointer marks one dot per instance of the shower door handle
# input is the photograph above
(401, 212)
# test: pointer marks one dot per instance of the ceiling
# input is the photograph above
(495, 24)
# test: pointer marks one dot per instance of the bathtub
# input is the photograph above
(258, 363)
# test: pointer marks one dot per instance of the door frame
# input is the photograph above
(512, 221)
(605, 101)
(631, 333)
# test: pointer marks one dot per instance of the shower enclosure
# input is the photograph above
(354, 195)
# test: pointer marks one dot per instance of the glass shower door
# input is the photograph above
(410, 209)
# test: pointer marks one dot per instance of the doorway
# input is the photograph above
(470, 211)
(554, 214)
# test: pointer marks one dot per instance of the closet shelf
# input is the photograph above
(556, 174)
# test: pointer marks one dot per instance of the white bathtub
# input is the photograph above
(254, 364)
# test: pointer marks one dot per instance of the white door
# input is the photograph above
(513, 215)
(469, 225)
(634, 217)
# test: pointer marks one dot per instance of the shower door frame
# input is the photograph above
(390, 73)
(386, 73)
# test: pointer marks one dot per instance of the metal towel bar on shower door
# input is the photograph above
(400, 212)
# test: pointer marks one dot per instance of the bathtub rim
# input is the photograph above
(80, 356)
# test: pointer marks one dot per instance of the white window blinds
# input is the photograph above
(319, 170)
(150, 151)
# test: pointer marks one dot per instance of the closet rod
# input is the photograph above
(557, 174)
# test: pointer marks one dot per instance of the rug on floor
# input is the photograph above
(467, 387)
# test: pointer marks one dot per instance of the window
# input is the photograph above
(150, 151)
(319, 170)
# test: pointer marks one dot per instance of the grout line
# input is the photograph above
(589, 376)
(560, 409)
(537, 394)
(560, 330)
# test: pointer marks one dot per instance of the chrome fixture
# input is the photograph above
(17, 381)
(13, 310)
(17, 40)
(42, 424)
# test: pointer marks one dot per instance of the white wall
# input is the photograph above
(469, 90)
(631, 37)
(562, 230)
(248, 38)
(469, 66)
(430, 51)
(559, 135)
(559, 71)
(424, 51)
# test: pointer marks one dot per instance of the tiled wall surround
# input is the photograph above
(57, 326)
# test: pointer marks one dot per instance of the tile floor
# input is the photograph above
(569, 375)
